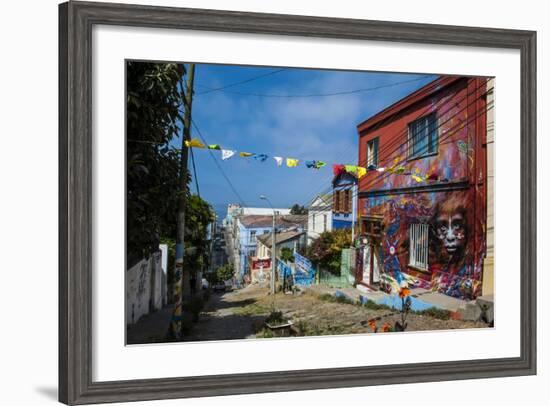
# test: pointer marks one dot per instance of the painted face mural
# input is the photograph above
(451, 230)
(452, 268)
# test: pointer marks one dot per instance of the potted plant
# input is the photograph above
(276, 323)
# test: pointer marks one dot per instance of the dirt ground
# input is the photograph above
(241, 314)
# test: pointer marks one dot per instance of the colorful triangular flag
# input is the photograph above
(291, 162)
(227, 153)
(194, 143)
(260, 157)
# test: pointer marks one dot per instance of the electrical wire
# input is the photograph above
(307, 95)
(222, 88)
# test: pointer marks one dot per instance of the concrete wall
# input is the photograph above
(145, 288)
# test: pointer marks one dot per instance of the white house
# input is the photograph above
(319, 216)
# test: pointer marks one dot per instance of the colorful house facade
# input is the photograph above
(422, 206)
(249, 228)
(344, 201)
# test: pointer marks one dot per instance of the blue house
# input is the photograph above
(344, 201)
(249, 227)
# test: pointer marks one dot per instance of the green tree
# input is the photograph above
(326, 251)
(297, 209)
(287, 255)
(225, 272)
(199, 215)
(152, 118)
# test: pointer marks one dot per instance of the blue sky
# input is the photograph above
(307, 128)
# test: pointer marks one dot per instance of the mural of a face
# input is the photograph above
(451, 231)
(450, 227)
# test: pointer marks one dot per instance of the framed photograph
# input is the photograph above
(260, 202)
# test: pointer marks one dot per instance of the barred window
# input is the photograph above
(418, 249)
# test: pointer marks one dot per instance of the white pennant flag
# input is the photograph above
(227, 153)
(279, 160)
(381, 169)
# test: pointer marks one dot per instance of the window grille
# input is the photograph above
(418, 249)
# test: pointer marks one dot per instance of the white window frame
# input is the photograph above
(433, 142)
(372, 145)
(418, 246)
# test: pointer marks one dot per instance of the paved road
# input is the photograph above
(219, 322)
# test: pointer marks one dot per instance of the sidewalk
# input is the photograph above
(150, 328)
(421, 299)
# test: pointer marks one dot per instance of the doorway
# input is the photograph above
(372, 229)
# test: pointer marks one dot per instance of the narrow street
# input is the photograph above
(223, 318)
(240, 314)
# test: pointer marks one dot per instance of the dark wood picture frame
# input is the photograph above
(76, 20)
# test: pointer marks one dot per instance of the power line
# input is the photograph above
(428, 87)
(387, 174)
(455, 129)
(340, 93)
(195, 173)
(241, 200)
(222, 88)
(403, 132)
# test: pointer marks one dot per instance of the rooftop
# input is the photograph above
(259, 221)
(280, 237)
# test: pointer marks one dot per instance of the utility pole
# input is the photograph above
(273, 256)
(181, 279)
(273, 247)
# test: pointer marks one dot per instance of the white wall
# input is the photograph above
(28, 210)
(145, 283)
(316, 220)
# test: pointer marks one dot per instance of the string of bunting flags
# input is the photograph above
(358, 171)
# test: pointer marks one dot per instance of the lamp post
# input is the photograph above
(273, 254)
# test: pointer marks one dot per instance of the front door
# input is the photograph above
(371, 264)
(372, 229)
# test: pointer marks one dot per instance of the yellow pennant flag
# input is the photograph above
(194, 143)
(245, 154)
(291, 162)
(361, 171)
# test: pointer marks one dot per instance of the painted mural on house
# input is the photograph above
(429, 231)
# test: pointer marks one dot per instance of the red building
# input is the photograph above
(422, 206)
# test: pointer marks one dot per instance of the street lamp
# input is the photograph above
(273, 255)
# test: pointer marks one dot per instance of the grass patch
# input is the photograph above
(253, 309)
(436, 313)
(372, 305)
(327, 297)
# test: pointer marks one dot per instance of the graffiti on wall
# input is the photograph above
(456, 242)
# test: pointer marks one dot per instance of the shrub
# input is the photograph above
(275, 317)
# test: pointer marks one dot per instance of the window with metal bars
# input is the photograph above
(418, 246)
